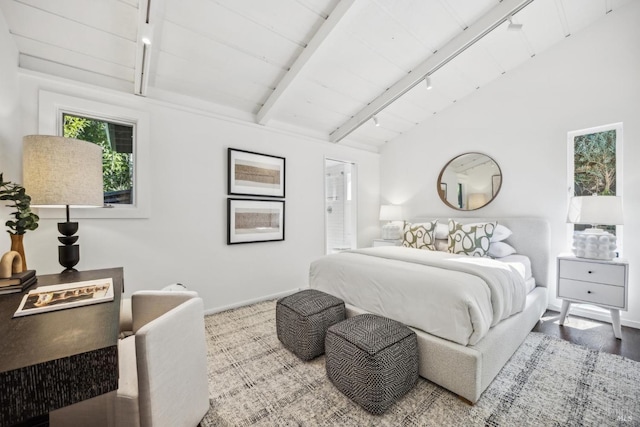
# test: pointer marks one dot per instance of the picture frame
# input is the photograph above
(496, 182)
(255, 174)
(254, 220)
(68, 295)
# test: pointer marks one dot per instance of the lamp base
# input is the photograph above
(594, 243)
(69, 254)
(391, 231)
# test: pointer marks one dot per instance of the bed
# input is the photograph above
(384, 281)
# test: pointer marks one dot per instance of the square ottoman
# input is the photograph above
(372, 360)
(302, 320)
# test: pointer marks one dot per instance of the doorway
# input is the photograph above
(340, 206)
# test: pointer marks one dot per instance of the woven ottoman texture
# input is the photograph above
(302, 320)
(372, 360)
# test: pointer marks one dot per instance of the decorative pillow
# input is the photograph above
(468, 239)
(419, 235)
(501, 232)
(501, 249)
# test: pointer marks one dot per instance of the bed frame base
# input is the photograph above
(468, 370)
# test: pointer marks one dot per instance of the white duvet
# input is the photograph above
(455, 297)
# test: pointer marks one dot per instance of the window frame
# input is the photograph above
(619, 128)
(52, 106)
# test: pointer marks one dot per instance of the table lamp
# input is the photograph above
(67, 172)
(390, 213)
(595, 243)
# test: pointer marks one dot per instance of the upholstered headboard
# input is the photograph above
(531, 237)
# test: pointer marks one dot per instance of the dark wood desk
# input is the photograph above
(51, 360)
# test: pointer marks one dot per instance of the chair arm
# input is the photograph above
(149, 305)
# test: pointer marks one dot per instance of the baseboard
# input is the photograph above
(591, 312)
(251, 301)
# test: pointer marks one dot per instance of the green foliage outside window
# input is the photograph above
(117, 167)
(595, 164)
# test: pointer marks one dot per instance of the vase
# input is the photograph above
(18, 246)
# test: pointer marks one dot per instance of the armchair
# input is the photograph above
(163, 368)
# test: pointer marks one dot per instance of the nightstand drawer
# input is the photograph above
(591, 292)
(611, 274)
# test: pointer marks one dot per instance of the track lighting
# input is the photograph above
(512, 26)
(375, 121)
(427, 81)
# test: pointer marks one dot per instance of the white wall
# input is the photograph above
(9, 107)
(184, 240)
(522, 120)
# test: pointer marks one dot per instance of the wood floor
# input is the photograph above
(592, 334)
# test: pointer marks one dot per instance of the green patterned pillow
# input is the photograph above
(420, 235)
(473, 240)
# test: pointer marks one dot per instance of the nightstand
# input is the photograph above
(592, 281)
(384, 242)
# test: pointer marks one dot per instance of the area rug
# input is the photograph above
(255, 381)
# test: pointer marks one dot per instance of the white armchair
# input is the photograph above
(163, 368)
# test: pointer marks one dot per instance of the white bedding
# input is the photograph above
(455, 297)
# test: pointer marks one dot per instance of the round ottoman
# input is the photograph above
(372, 360)
(302, 320)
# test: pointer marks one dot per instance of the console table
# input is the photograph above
(54, 359)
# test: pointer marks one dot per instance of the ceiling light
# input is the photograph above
(427, 81)
(512, 26)
(146, 34)
(375, 121)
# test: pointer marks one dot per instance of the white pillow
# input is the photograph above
(442, 245)
(501, 249)
(442, 231)
(500, 233)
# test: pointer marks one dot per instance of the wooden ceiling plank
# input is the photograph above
(266, 112)
(187, 45)
(46, 52)
(72, 73)
(467, 38)
(28, 22)
(115, 18)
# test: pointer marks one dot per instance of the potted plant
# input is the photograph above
(24, 220)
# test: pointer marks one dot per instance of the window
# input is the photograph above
(117, 141)
(122, 133)
(595, 164)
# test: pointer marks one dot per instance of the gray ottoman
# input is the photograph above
(372, 360)
(302, 320)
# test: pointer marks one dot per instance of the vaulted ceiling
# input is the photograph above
(322, 68)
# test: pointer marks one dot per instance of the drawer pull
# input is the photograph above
(589, 271)
(588, 292)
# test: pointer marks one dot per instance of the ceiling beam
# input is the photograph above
(339, 12)
(455, 47)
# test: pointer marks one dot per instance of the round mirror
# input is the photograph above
(469, 181)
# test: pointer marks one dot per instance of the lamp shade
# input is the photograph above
(60, 171)
(603, 210)
(390, 213)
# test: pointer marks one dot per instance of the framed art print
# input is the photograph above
(251, 221)
(255, 174)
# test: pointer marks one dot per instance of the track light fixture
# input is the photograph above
(375, 121)
(427, 81)
(512, 26)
